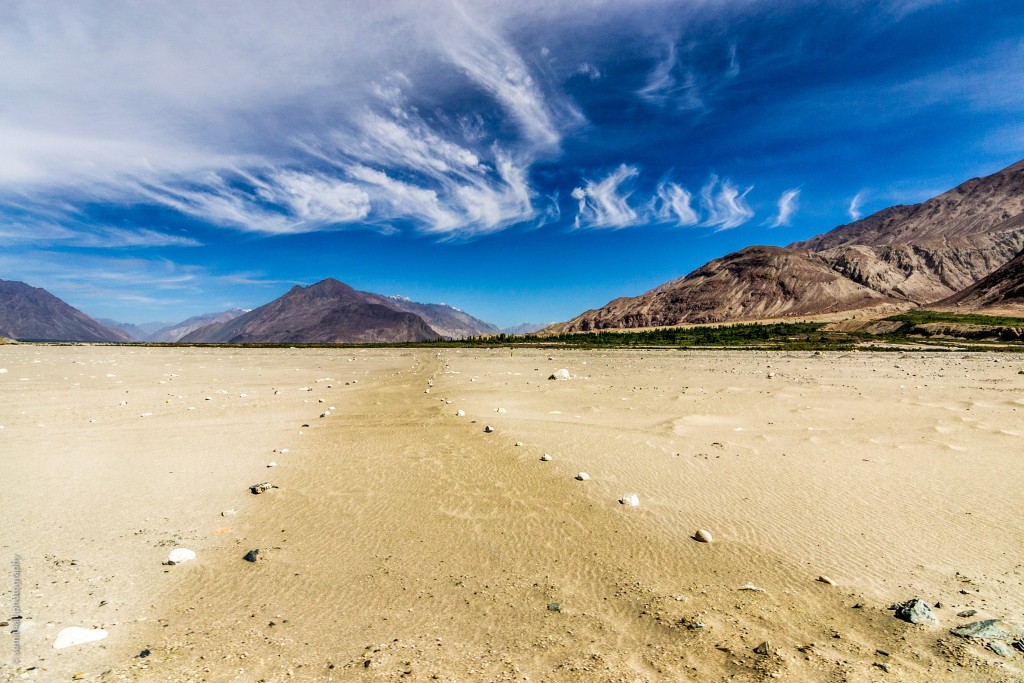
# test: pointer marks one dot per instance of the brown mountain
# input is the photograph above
(445, 320)
(752, 284)
(903, 256)
(33, 314)
(326, 312)
(174, 332)
(1002, 292)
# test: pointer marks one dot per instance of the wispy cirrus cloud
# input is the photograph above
(672, 203)
(724, 205)
(605, 203)
(789, 202)
(853, 210)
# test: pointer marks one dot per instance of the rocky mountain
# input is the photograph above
(134, 332)
(526, 328)
(31, 313)
(901, 257)
(1001, 293)
(326, 312)
(175, 331)
(444, 319)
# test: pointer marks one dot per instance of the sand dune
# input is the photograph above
(405, 543)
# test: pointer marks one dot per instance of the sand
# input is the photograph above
(405, 543)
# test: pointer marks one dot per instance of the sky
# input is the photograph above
(520, 161)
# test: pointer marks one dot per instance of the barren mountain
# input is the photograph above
(903, 256)
(174, 332)
(134, 332)
(442, 318)
(326, 312)
(31, 313)
(1002, 292)
(751, 284)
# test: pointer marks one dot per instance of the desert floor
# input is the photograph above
(405, 542)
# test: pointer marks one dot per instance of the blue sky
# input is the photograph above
(160, 160)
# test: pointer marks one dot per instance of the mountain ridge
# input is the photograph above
(33, 314)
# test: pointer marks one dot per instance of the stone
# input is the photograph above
(252, 555)
(990, 629)
(546, 457)
(630, 500)
(179, 555)
(76, 635)
(554, 607)
(488, 429)
(916, 612)
(827, 580)
(271, 464)
(967, 613)
(257, 489)
(764, 649)
(704, 536)
(999, 648)
(229, 513)
(460, 413)
(583, 476)
(560, 374)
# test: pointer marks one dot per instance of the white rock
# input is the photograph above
(179, 555)
(560, 374)
(827, 580)
(583, 476)
(519, 443)
(3, 371)
(703, 535)
(229, 513)
(460, 413)
(76, 635)
(284, 450)
(630, 499)
(546, 457)
(500, 410)
(271, 464)
(488, 429)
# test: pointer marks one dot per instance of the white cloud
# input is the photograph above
(788, 204)
(854, 208)
(605, 204)
(734, 63)
(672, 203)
(724, 206)
(665, 89)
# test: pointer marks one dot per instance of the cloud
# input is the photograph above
(672, 204)
(788, 204)
(604, 204)
(664, 89)
(854, 209)
(724, 206)
(734, 63)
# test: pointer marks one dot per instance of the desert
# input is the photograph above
(401, 540)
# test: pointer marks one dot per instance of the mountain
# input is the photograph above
(326, 312)
(903, 256)
(134, 332)
(1002, 292)
(31, 313)
(526, 328)
(445, 320)
(172, 332)
(751, 284)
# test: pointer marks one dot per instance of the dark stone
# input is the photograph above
(145, 653)
(554, 607)
(764, 649)
(252, 555)
(1000, 648)
(916, 612)
(990, 629)
(967, 613)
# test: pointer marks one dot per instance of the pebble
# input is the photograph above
(261, 488)
(561, 374)
(229, 513)
(967, 613)
(460, 413)
(764, 649)
(630, 500)
(488, 429)
(825, 579)
(546, 457)
(179, 555)
(519, 443)
(583, 476)
(252, 555)
(704, 536)
(271, 464)
(76, 635)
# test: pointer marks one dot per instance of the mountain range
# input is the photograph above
(31, 313)
(898, 258)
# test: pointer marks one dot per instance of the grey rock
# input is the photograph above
(916, 612)
(990, 629)
(999, 648)
(257, 489)
(252, 555)
(764, 649)
(967, 613)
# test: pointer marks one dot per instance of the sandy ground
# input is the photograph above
(406, 543)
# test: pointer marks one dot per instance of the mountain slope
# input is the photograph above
(175, 331)
(326, 312)
(134, 332)
(1002, 292)
(31, 313)
(903, 256)
(445, 320)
